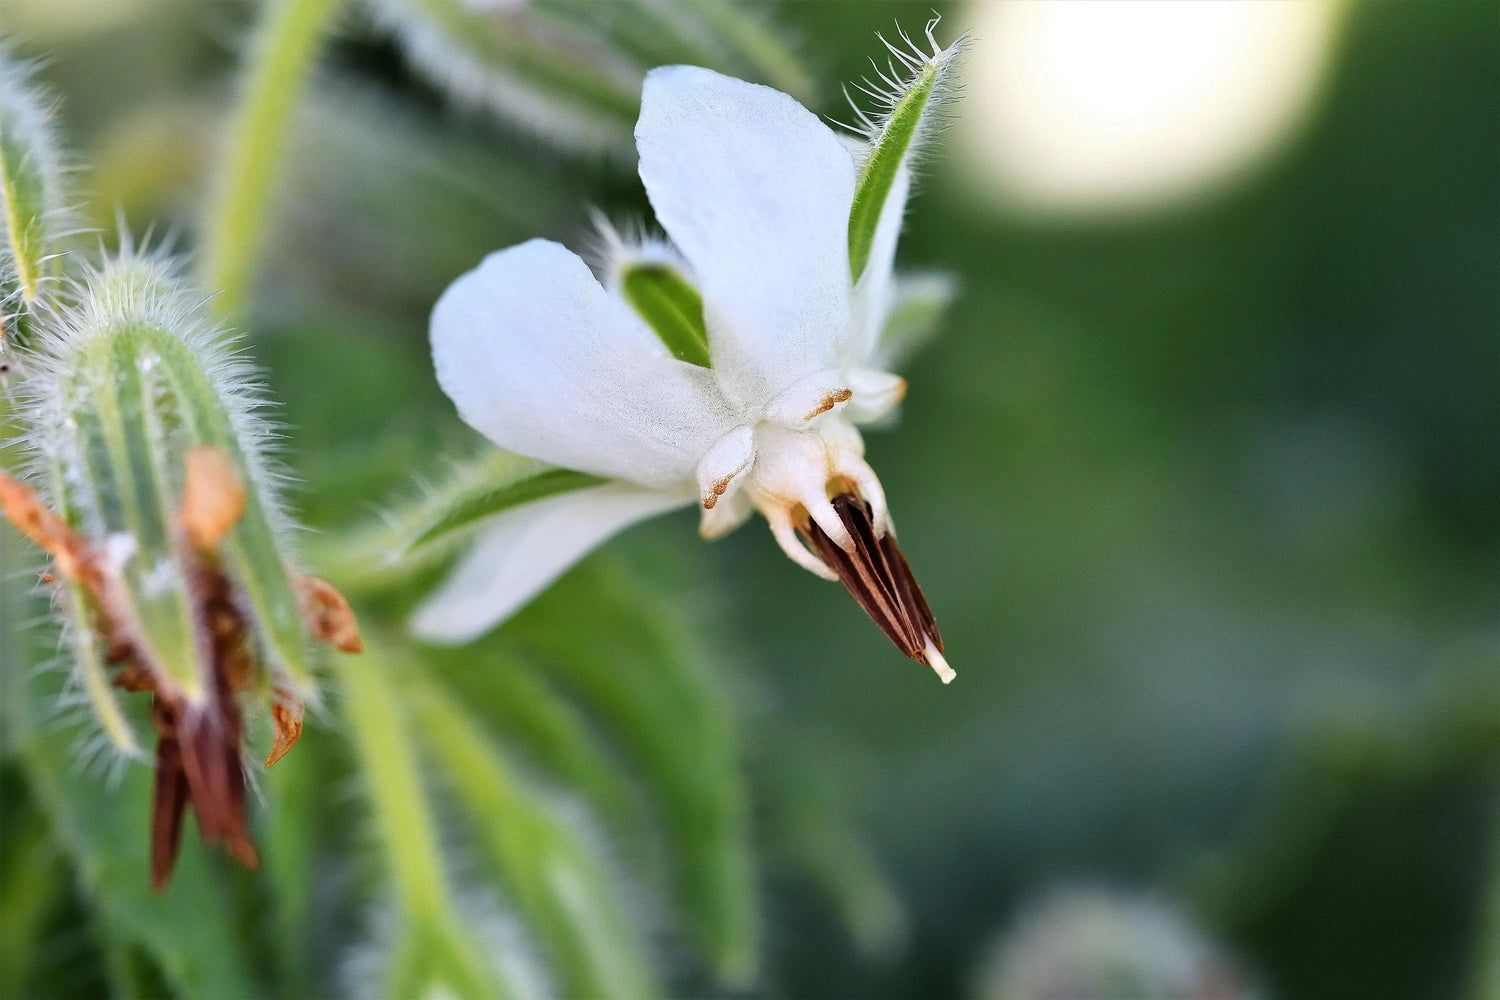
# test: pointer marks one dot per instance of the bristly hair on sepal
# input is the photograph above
(911, 95)
(149, 484)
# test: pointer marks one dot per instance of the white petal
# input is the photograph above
(725, 516)
(809, 397)
(874, 292)
(755, 191)
(525, 549)
(728, 460)
(876, 395)
(544, 362)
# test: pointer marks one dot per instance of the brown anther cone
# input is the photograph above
(327, 615)
(213, 497)
(877, 576)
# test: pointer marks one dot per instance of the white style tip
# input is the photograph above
(939, 665)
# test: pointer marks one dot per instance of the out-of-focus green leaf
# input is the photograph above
(545, 730)
(281, 58)
(555, 872)
(571, 70)
(654, 690)
(434, 949)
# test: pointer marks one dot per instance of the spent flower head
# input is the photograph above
(730, 368)
(149, 487)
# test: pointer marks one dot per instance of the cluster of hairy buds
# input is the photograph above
(146, 482)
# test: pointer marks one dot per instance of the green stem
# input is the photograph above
(435, 947)
(281, 60)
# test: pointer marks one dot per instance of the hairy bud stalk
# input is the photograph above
(160, 515)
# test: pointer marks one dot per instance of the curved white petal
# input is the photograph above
(726, 462)
(876, 394)
(874, 292)
(525, 549)
(809, 398)
(729, 513)
(544, 362)
(755, 191)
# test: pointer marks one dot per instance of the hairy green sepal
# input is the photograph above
(890, 147)
(491, 485)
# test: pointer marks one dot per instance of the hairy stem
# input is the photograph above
(282, 57)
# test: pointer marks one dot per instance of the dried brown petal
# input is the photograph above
(327, 615)
(286, 713)
(169, 801)
(37, 522)
(213, 497)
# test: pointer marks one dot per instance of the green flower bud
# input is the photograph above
(161, 512)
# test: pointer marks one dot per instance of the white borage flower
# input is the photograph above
(730, 368)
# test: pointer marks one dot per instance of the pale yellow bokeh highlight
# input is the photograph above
(1080, 105)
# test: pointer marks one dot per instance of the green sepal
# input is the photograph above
(516, 481)
(918, 304)
(912, 108)
(670, 305)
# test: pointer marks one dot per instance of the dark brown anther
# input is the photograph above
(877, 576)
(169, 797)
(198, 744)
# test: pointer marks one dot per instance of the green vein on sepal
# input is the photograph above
(911, 106)
(670, 305)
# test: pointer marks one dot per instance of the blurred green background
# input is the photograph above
(1204, 494)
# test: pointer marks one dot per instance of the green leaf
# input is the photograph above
(546, 730)
(654, 691)
(670, 305)
(433, 949)
(571, 70)
(556, 876)
(911, 107)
